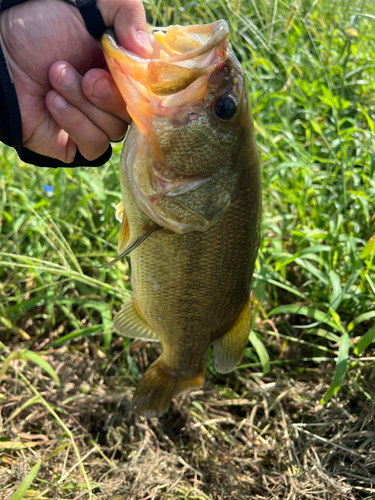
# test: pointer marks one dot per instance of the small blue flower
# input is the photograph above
(48, 189)
(194, 4)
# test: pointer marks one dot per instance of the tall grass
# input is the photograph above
(310, 68)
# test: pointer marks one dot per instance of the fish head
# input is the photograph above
(189, 104)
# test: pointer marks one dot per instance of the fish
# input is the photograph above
(191, 205)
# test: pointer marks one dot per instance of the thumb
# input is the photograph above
(128, 19)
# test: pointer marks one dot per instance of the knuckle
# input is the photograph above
(134, 4)
(119, 133)
(98, 148)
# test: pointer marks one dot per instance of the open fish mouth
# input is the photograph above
(182, 54)
(173, 166)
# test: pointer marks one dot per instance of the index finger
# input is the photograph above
(100, 89)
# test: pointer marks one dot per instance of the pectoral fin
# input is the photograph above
(128, 323)
(124, 235)
(119, 211)
(229, 347)
(126, 243)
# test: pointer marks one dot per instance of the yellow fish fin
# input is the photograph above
(119, 211)
(124, 235)
(229, 347)
(128, 323)
(159, 385)
(128, 245)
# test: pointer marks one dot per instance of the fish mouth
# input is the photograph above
(182, 55)
(202, 39)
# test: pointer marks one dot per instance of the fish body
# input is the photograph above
(191, 187)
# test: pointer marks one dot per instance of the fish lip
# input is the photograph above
(219, 33)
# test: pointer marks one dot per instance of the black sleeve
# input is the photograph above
(10, 116)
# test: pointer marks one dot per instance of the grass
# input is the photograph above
(294, 420)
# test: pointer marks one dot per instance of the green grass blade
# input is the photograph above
(310, 312)
(369, 248)
(364, 341)
(359, 319)
(305, 251)
(84, 332)
(340, 369)
(38, 360)
(261, 351)
(20, 493)
(336, 290)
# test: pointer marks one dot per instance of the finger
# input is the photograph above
(100, 89)
(90, 140)
(50, 140)
(68, 83)
(129, 21)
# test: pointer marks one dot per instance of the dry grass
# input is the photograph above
(251, 437)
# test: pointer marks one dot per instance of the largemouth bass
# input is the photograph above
(191, 189)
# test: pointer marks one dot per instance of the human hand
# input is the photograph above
(56, 122)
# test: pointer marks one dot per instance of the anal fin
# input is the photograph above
(128, 323)
(229, 347)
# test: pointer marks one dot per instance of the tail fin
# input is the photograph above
(158, 386)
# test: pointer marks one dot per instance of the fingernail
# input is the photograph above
(67, 78)
(143, 40)
(101, 88)
(59, 102)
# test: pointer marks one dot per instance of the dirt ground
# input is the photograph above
(241, 437)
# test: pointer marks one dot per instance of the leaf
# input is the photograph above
(369, 248)
(92, 330)
(372, 164)
(25, 305)
(336, 290)
(320, 332)
(31, 356)
(19, 494)
(340, 369)
(56, 451)
(312, 269)
(364, 341)
(301, 253)
(261, 351)
(336, 319)
(360, 319)
(38, 360)
(306, 311)
(289, 288)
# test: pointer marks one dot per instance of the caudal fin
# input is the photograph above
(158, 386)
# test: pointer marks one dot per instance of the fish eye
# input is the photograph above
(225, 107)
